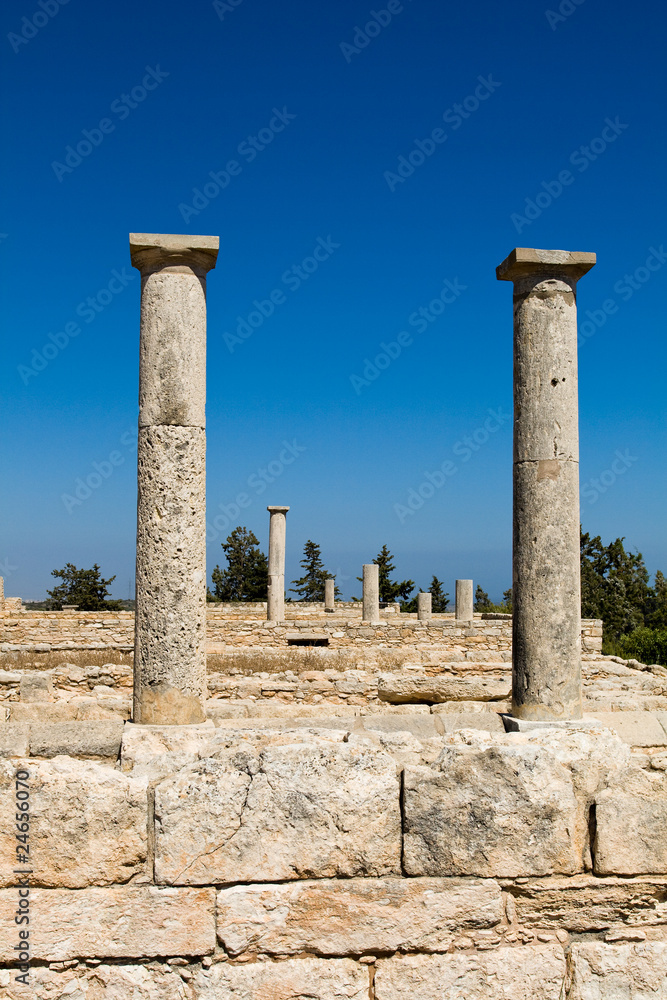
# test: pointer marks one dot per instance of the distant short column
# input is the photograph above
(424, 606)
(371, 593)
(464, 601)
(329, 594)
(275, 611)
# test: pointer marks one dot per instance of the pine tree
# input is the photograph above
(482, 600)
(83, 587)
(439, 600)
(310, 587)
(507, 601)
(247, 575)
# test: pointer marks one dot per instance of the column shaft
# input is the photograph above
(371, 593)
(329, 594)
(464, 600)
(275, 611)
(424, 606)
(546, 599)
(170, 617)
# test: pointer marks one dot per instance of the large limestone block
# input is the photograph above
(494, 810)
(170, 637)
(638, 729)
(14, 739)
(113, 922)
(285, 812)
(631, 820)
(76, 739)
(585, 903)
(354, 916)
(398, 689)
(88, 823)
(294, 979)
(521, 973)
(103, 982)
(619, 972)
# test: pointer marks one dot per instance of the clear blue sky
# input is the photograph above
(317, 117)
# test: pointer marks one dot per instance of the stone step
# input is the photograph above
(441, 689)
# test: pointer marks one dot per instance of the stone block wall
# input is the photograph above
(338, 864)
(228, 630)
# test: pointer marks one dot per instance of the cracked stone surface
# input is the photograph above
(284, 812)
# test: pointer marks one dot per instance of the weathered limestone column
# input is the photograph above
(329, 593)
(464, 600)
(170, 619)
(275, 609)
(546, 641)
(424, 606)
(370, 611)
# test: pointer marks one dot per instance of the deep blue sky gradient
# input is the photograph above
(358, 453)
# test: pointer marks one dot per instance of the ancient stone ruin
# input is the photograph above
(352, 802)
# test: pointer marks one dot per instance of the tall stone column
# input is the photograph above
(329, 593)
(370, 611)
(464, 600)
(424, 606)
(546, 600)
(275, 610)
(170, 619)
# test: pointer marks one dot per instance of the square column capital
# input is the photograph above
(523, 261)
(155, 251)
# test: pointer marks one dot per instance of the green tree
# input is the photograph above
(246, 577)
(390, 589)
(310, 587)
(482, 599)
(440, 599)
(614, 586)
(507, 601)
(84, 587)
(656, 611)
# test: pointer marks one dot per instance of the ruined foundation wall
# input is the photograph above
(190, 862)
(226, 630)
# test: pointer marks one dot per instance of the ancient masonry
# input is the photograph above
(403, 807)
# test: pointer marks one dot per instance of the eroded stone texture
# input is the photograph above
(545, 588)
(113, 922)
(584, 904)
(631, 820)
(88, 823)
(524, 973)
(76, 739)
(170, 651)
(619, 972)
(317, 810)
(294, 979)
(103, 982)
(464, 602)
(491, 810)
(370, 609)
(354, 916)
(398, 689)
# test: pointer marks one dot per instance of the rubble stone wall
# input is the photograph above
(228, 630)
